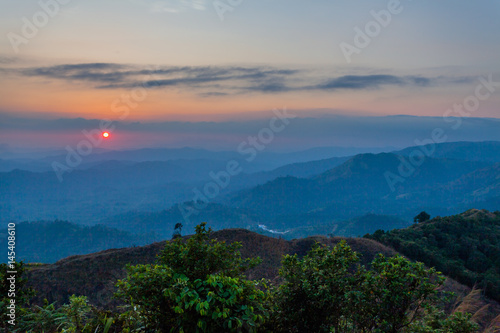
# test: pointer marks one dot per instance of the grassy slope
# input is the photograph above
(95, 275)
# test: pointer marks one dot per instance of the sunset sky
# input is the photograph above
(204, 60)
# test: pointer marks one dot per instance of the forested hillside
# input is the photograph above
(465, 247)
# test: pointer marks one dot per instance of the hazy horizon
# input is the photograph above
(299, 134)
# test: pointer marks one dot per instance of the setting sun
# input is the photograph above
(105, 135)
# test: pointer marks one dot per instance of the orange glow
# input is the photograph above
(105, 135)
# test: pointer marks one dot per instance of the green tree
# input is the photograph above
(177, 231)
(313, 297)
(44, 318)
(465, 247)
(422, 217)
(196, 286)
(78, 316)
(392, 294)
(77, 313)
(435, 320)
(327, 291)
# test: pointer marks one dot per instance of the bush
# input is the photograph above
(327, 291)
(196, 286)
(313, 297)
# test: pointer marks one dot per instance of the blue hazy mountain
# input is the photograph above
(363, 185)
(486, 151)
(456, 177)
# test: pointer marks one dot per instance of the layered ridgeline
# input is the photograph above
(337, 189)
(320, 181)
(107, 188)
(385, 183)
(465, 247)
(341, 196)
(382, 189)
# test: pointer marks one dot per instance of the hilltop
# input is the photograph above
(95, 275)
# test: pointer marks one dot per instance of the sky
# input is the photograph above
(222, 61)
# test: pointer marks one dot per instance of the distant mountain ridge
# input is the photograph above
(361, 185)
(338, 187)
(264, 160)
(486, 151)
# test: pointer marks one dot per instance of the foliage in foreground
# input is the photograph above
(75, 317)
(323, 292)
(198, 285)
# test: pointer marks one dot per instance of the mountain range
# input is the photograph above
(301, 198)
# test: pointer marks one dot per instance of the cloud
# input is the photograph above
(117, 76)
(370, 81)
(212, 81)
(359, 82)
(93, 72)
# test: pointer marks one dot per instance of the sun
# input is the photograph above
(105, 135)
